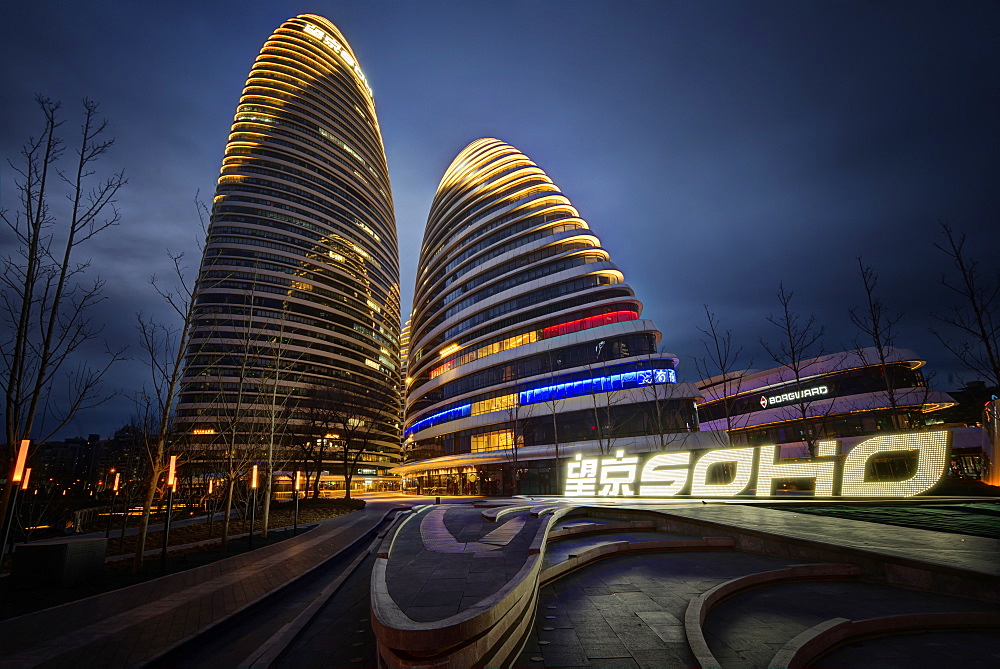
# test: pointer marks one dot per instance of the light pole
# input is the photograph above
(253, 502)
(211, 506)
(171, 483)
(297, 487)
(111, 511)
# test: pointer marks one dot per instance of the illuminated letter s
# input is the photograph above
(665, 468)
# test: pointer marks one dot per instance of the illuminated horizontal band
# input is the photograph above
(441, 417)
(530, 338)
(587, 323)
(600, 384)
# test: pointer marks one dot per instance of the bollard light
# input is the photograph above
(211, 485)
(298, 481)
(27, 477)
(117, 479)
(172, 472)
(253, 477)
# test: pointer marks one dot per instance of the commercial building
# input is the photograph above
(526, 344)
(847, 397)
(297, 299)
(846, 394)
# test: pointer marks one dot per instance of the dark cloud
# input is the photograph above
(716, 148)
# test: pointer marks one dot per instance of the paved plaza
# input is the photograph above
(543, 583)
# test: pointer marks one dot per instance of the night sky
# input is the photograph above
(716, 148)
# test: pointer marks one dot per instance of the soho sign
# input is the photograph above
(667, 474)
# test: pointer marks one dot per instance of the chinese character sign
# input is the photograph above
(757, 469)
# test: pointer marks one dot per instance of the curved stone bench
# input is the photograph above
(598, 528)
(700, 606)
(495, 514)
(816, 641)
(618, 548)
(537, 511)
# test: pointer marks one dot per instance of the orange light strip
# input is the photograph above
(22, 455)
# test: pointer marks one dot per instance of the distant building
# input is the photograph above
(298, 291)
(525, 338)
(68, 461)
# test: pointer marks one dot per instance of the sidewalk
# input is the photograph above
(129, 626)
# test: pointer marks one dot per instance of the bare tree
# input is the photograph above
(878, 334)
(607, 422)
(799, 342)
(44, 301)
(163, 348)
(975, 314)
(348, 420)
(724, 360)
(521, 426)
(553, 404)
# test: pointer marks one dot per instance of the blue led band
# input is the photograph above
(600, 384)
(440, 417)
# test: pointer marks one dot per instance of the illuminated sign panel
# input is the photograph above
(667, 474)
(794, 396)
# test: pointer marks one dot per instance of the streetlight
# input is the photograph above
(171, 484)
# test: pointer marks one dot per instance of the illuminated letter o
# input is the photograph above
(932, 459)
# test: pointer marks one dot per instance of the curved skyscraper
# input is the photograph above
(297, 299)
(524, 336)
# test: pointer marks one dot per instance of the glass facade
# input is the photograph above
(518, 312)
(298, 290)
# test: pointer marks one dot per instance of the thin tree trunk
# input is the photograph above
(230, 484)
(140, 537)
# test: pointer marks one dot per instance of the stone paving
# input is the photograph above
(127, 627)
(926, 650)
(559, 551)
(341, 634)
(751, 627)
(628, 611)
(623, 611)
